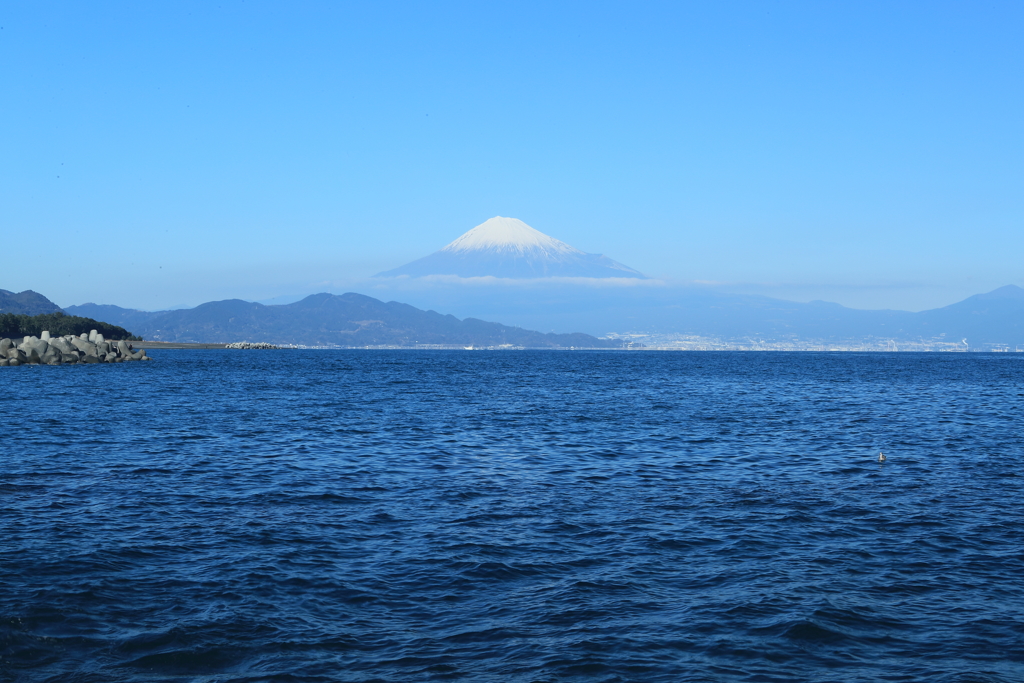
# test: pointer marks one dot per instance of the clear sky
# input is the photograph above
(155, 154)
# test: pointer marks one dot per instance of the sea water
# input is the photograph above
(513, 516)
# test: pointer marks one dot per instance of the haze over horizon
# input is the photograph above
(869, 155)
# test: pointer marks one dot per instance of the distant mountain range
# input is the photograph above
(328, 320)
(128, 318)
(509, 248)
(993, 318)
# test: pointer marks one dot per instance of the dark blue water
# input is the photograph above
(513, 516)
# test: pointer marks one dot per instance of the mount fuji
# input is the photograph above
(509, 248)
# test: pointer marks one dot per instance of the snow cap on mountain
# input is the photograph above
(508, 234)
(509, 248)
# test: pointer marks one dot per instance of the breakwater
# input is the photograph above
(69, 349)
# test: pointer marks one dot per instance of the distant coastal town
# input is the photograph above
(676, 342)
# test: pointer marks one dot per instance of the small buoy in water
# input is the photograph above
(881, 457)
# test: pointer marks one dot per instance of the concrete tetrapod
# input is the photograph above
(53, 356)
(66, 350)
(84, 346)
(31, 352)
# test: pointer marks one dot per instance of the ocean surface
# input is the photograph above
(514, 516)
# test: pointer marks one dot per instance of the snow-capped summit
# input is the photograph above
(509, 234)
(509, 248)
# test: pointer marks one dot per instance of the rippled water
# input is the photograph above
(513, 516)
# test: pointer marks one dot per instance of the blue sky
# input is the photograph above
(156, 154)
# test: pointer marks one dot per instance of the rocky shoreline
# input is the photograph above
(67, 350)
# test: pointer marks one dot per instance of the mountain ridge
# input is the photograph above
(989, 317)
(345, 320)
(27, 302)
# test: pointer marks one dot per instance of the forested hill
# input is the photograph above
(57, 324)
